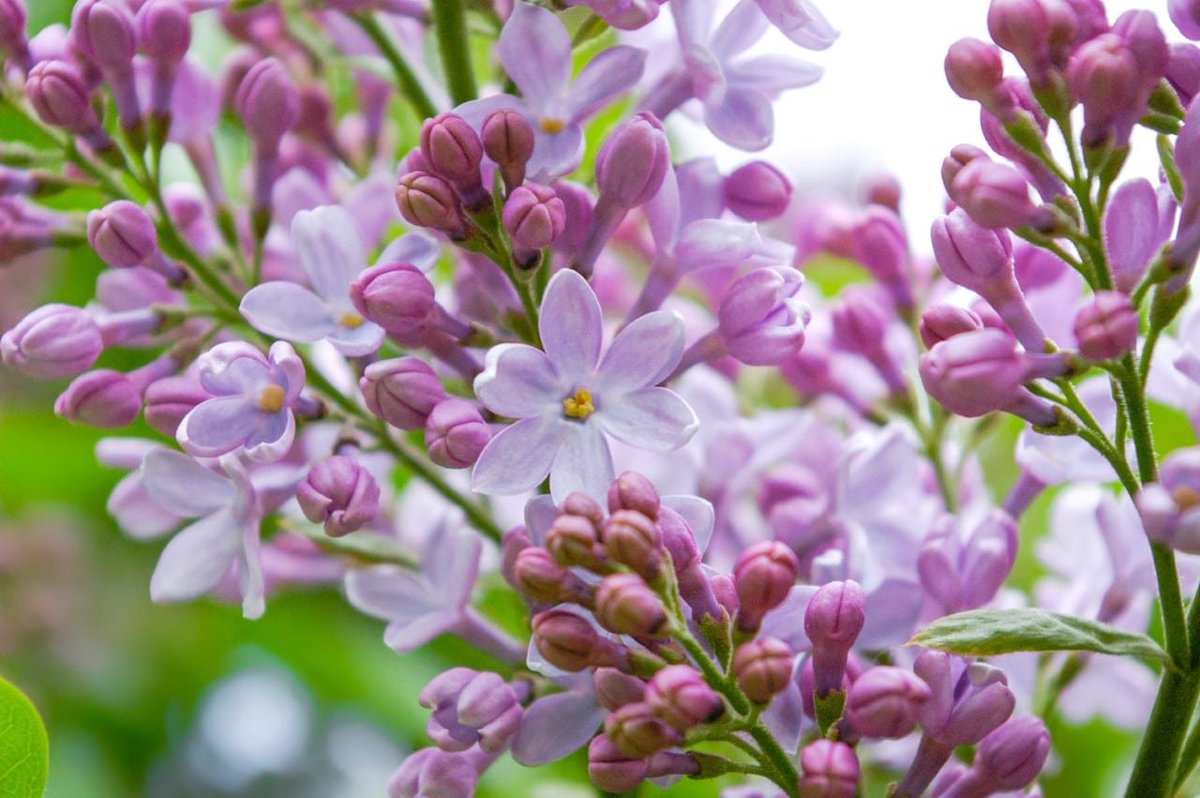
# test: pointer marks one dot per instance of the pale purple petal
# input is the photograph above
(475, 111)
(328, 242)
(451, 561)
(606, 77)
(741, 28)
(555, 154)
(800, 21)
(555, 726)
(219, 425)
(197, 559)
(698, 513)
(287, 310)
(693, 20)
(773, 73)
(178, 483)
(391, 593)
(232, 368)
(416, 249)
(892, 610)
(403, 637)
(583, 463)
(652, 418)
(288, 370)
(700, 180)
(1131, 229)
(540, 512)
(535, 49)
(642, 354)
(744, 119)
(138, 515)
(571, 326)
(663, 211)
(519, 457)
(716, 242)
(195, 102)
(272, 438)
(297, 190)
(519, 381)
(250, 572)
(371, 203)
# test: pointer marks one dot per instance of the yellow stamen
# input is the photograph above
(579, 404)
(271, 399)
(549, 124)
(1186, 497)
(350, 319)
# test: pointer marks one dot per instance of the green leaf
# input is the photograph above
(24, 750)
(994, 631)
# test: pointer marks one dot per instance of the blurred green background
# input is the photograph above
(192, 700)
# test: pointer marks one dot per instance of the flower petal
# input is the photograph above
(519, 381)
(652, 418)
(606, 77)
(555, 726)
(390, 592)
(217, 426)
(184, 487)
(475, 111)
(741, 28)
(583, 463)
(329, 245)
(138, 515)
(540, 512)
(371, 203)
(416, 249)
(451, 561)
(519, 457)
(699, 514)
(744, 119)
(402, 637)
(535, 49)
(196, 559)
(773, 73)
(286, 310)
(358, 341)
(800, 21)
(642, 354)
(715, 242)
(555, 154)
(571, 326)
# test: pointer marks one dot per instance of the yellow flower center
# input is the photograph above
(1186, 497)
(549, 124)
(271, 399)
(579, 404)
(350, 319)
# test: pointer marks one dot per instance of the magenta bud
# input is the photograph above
(471, 707)
(534, 217)
(995, 195)
(679, 695)
(13, 42)
(1022, 28)
(427, 200)
(637, 731)
(615, 689)
(830, 770)
(570, 642)
(940, 322)
(633, 539)
(339, 493)
(268, 103)
(53, 341)
(455, 433)
(762, 667)
(508, 140)
(757, 191)
(122, 234)
(434, 772)
(632, 162)
(514, 541)
(973, 373)
(104, 31)
(882, 189)
(611, 769)
(632, 491)
(960, 156)
(575, 540)
(884, 702)
(1105, 77)
(763, 575)
(396, 296)
(1106, 326)
(539, 578)
(626, 605)
(834, 617)
(59, 96)
(402, 391)
(1186, 16)
(1011, 756)
(164, 30)
(761, 321)
(974, 70)
(453, 150)
(971, 255)
(170, 399)
(877, 240)
(102, 398)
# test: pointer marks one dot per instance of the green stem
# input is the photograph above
(450, 25)
(1189, 758)
(1155, 768)
(410, 86)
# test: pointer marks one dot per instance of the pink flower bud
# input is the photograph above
(122, 234)
(402, 391)
(882, 189)
(508, 140)
(611, 769)
(1186, 16)
(974, 70)
(268, 103)
(615, 689)
(396, 296)
(632, 491)
(534, 217)
(427, 200)
(638, 732)
(1010, 757)
(339, 493)
(970, 255)
(14, 45)
(540, 579)
(633, 539)
(102, 398)
(433, 772)
(471, 707)
(830, 770)
(883, 702)
(1104, 78)
(760, 321)
(453, 151)
(973, 373)
(53, 341)
(1170, 508)
(625, 605)
(455, 433)
(575, 541)
(59, 96)
(960, 156)
(570, 642)
(679, 695)
(763, 668)
(757, 191)
(940, 322)
(1022, 27)
(763, 575)
(170, 399)
(879, 243)
(104, 32)
(834, 617)
(995, 195)
(164, 30)
(632, 162)
(1106, 326)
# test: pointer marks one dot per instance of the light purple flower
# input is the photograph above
(252, 402)
(568, 400)
(331, 252)
(535, 50)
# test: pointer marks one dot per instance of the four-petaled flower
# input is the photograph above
(568, 398)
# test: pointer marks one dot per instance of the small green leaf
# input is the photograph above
(987, 632)
(24, 750)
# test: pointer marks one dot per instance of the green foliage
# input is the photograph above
(24, 750)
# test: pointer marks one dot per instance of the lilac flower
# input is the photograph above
(567, 398)
(535, 50)
(252, 405)
(736, 89)
(330, 250)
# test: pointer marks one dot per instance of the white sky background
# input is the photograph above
(883, 103)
